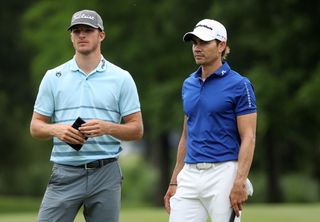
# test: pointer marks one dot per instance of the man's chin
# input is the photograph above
(199, 62)
(84, 52)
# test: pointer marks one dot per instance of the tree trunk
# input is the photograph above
(316, 161)
(161, 160)
(273, 166)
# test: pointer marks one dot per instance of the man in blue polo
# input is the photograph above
(85, 171)
(216, 148)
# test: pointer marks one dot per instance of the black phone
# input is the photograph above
(77, 123)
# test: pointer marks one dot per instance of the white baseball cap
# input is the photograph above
(207, 30)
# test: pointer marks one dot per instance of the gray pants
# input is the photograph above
(98, 190)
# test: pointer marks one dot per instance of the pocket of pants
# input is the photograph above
(120, 172)
(62, 176)
(54, 177)
(173, 202)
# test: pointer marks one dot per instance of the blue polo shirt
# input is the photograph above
(211, 107)
(107, 93)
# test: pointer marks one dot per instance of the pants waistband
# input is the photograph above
(202, 166)
(95, 164)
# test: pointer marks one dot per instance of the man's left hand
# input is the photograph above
(94, 128)
(238, 196)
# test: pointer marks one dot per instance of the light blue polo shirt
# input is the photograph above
(107, 93)
(212, 107)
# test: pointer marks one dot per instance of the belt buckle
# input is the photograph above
(203, 166)
(88, 168)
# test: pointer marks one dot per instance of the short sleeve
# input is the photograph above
(245, 100)
(129, 100)
(44, 103)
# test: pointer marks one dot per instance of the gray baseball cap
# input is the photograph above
(87, 17)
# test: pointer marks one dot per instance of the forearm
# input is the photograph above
(126, 131)
(247, 132)
(245, 158)
(179, 163)
(41, 130)
(181, 154)
(178, 167)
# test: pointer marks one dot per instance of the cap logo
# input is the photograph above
(84, 16)
(205, 26)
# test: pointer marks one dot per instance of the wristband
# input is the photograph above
(173, 184)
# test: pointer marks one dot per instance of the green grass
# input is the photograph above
(18, 204)
(282, 213)
(127, 215)
(252, 213)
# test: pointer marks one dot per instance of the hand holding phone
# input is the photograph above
(77, 123)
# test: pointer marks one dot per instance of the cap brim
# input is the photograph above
(189, 36)
(83, 23)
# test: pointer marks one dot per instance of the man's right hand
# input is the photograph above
(170, 192)
(68, 134)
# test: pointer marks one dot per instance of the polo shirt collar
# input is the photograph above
(223, 70)
(100, 68)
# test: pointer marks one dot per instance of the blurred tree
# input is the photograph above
(274, 43)
(14, 94)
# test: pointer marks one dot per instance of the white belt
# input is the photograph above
(201, 166)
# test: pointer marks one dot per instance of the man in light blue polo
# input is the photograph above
(216, 148)
(104, 97)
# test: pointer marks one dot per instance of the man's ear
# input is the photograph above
(102, 35)
(222, 46)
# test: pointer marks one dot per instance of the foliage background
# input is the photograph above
(275, 44)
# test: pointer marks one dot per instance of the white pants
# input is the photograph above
(203, 190)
